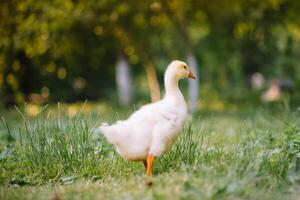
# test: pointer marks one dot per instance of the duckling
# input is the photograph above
(151, 131)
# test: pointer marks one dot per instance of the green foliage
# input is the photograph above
(67, 49)
(292, 140)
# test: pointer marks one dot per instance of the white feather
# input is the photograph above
(154, 127)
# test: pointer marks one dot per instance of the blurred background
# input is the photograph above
(244, 52)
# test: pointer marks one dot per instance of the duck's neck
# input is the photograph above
(172, 89)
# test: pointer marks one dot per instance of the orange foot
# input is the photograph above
(150, 164)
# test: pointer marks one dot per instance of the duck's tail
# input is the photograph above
(110, 132)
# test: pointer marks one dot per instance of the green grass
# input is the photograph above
(250, 155)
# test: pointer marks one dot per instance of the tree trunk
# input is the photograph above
(153, 82)
(148, 65)
(193, 85)
(123, 81)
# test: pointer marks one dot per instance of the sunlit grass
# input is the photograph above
(253, 155)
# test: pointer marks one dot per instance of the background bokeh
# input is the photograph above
(69, 50)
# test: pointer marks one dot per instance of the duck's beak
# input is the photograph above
(191, 75)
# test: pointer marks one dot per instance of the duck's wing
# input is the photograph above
(168, 114)
(154, 113)
(140, 122)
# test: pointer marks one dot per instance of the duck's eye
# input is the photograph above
(185, 67)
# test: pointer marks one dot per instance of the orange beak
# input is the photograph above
(191, 75)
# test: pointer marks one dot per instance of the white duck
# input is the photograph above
(151, 131)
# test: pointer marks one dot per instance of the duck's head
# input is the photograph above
(179, 70)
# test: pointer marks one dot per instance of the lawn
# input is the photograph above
(52, 153)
